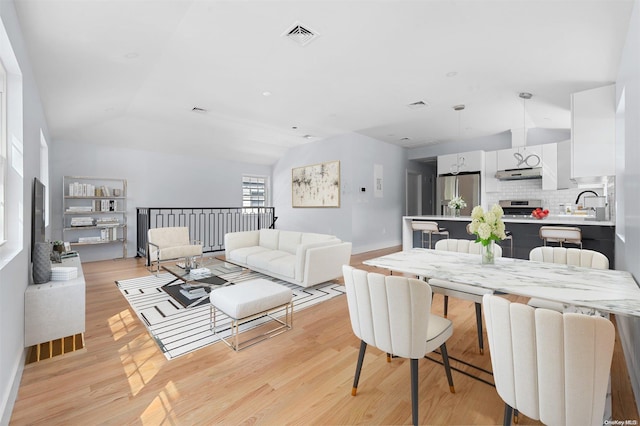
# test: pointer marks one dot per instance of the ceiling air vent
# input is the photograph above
(198, 109)
(300, 35)
(418, 105)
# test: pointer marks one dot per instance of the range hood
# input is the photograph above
(519, 174)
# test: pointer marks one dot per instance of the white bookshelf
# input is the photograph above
(94, 211)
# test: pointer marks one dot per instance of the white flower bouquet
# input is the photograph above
(457, 203)
(487, 226)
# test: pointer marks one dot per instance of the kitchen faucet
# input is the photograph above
(585, 192)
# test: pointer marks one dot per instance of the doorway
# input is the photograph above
(413, 193)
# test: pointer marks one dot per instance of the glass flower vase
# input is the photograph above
(488, 253)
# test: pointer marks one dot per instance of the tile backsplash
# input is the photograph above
(531, 189)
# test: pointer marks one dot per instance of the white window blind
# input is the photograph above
(254, 191)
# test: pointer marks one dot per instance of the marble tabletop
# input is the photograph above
(607, 291)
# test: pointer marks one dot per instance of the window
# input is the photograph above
(3, 156)
(255, 191)
(44, 174)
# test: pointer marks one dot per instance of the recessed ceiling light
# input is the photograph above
(308, 136)
(198, 109)
(131, 55)
(405, 139)
(458, 107)
(294, 127)
(267, 94)
(452, 74)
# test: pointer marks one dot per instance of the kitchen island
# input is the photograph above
(596, 235)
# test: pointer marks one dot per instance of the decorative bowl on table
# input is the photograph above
(539, 213)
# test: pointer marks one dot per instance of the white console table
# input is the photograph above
(56, 309)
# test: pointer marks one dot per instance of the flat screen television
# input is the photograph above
(38, 209)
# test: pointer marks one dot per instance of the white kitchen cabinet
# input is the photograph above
(593, 133)
(520, 157)
(460, 163)
(549, 166)
(490, 169)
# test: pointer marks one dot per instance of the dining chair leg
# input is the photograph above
(363, 348)
(414, 391)
(447, 367)
(507, 415)
(479, 326)
(446, 306)
(388, 357)
(515, 416)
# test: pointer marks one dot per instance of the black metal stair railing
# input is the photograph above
(206, 224)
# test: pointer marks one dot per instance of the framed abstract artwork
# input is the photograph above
(317, 185)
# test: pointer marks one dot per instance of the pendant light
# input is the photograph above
(456, 168)
(524, 96)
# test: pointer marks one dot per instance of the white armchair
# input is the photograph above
(170, 243)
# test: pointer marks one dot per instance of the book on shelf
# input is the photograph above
(106, 205)
(77, 189)
(82, 221)
(107, 221)
(79, 209)
(108, 234)
(89, 240)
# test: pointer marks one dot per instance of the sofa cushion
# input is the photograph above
(261, 260)
(269, 238)
(310, 238)
(289, 241)
(179, 251)
(284, 266)
(241, 254)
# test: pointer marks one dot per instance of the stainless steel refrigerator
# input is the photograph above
(465, 185)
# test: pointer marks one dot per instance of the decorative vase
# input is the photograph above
(456, 212)
(488, 253)
(41, 263)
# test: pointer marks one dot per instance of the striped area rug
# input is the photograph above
(179, 331)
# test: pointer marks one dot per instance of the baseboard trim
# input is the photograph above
(7, 405)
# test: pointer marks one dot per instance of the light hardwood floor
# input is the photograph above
(301, 377)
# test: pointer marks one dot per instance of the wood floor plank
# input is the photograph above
(301, 377)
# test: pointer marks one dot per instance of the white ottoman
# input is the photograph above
(248, 301)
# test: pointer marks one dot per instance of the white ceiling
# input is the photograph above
(128, 73)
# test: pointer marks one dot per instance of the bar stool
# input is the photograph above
(507, 233)
(561, 235)
(426, 227)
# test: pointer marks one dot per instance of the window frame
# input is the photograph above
(262, 182)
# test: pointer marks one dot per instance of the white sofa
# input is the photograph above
(301, 258)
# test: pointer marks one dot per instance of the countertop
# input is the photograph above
(549, 220)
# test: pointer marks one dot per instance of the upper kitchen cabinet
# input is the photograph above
(460, 163)
(593, 133)
(520, 157)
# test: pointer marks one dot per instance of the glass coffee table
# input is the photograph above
(192, 287)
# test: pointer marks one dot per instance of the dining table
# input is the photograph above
(599, 291)
(582, 290)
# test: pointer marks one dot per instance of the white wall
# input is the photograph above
(14, 274)
(153, 180)
(628, 251)
(364, 220)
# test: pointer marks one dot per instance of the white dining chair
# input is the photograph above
(567, 256)
(549, 366)
(392, 313)
(428, 228)
(463, 291)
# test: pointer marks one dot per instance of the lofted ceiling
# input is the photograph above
(130, 73)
